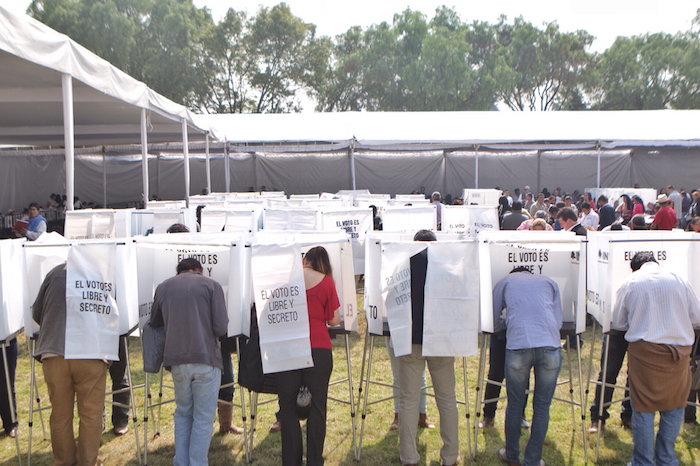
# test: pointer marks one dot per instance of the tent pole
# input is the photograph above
(104, 177)
(144, 157)
(598, 175)
(444, 174)
(476, 167)
(69, 138)
(208, 164)
(538, 174)
(352, 165)
(186, 153)
(227, 168)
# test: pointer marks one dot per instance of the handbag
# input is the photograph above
(250, 371)
(152, 347)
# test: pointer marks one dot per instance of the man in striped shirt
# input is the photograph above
(659, 311)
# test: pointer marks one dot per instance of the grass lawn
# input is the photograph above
(564, 444)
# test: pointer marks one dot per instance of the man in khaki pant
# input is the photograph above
(67, 378)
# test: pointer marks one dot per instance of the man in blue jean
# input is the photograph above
(193, 310)
(532, 321)
(659, 310)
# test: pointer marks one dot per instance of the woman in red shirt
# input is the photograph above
(324, 309)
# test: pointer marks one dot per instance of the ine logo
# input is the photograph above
(602, 255)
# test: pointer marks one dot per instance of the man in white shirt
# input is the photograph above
(588, 217)
(659, 311)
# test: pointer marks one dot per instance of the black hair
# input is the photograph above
(177, 228)
(517, 206)
(638, 222)
(521, 268)
(586, 206)
(188, 264)
(424, 235)
(34, 204)
(640, 259)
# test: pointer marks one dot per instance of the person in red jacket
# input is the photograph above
(665, 218)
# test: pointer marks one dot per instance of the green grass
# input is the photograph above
(380, 446)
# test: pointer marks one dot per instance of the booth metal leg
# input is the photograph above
(133, 402)
(362, 370)
(588, 379)
(466, 406)
(146, 405)
(13, 415)
(479, 387)
(364, 407)
(582, 405)
(33, 396)
(253, 399)
(571, 383)
(160, 403)
(243, 414)
(352, 402)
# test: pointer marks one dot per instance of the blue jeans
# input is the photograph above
(196, 392)
(547, 363)
(643, 435)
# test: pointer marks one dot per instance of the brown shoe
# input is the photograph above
(275, 427)
(424, 422)
(486, 423)
(594, 427)
(626, 423)
(225, 420)
(395, 423)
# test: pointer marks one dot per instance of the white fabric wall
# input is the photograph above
(30, 179)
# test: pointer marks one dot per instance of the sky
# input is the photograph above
(604, 19)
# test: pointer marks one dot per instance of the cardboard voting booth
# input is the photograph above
(159, 220)
(469, 220)
(290, 219)
(558, 255)
(409, 218)
(481, 196)
(215, 220)
(13, 287)
(609, 256)
(356, 223)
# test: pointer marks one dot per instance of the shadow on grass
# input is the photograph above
(385, 450)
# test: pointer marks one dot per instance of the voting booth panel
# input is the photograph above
(280, 301)
(411, 218)
(41, 256)
(451, 314)
(126, 283)
(469, 220)
(481, 196)
(92, 315)
(356, 222)
(13, 287)
(158, 258)
(217, 220)
(340, 252)
(610, 254)
(83, 224)
(290, 219)
(556, 255)
(160, 220)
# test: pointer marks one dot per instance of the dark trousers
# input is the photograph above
(616, 355)
(226, 390)
(117, 372)
(316, 379)
(5, 413)
(497, 364)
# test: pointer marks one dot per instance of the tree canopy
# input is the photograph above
(273, 61)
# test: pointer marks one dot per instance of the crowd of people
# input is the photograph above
(191, 309)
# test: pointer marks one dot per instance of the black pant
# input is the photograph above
(4, 399)
(316, 379)
(117, 371)
(226, 393)
(497, 367)
(616, 355)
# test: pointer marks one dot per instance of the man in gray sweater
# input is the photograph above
(193, 310)
(67, 377)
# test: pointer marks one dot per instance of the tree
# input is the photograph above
(540, 70)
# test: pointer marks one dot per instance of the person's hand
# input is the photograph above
(23, 232)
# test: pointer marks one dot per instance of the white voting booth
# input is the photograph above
(469, 220)
(409, 218)
(609, 257)
(356, 222)
(215, 220)
(451, 306)
(298, 218)
(560, 256)
(481, 196)
(159, 220)
(97, 224)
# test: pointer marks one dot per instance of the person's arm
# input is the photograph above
(498, 323)
(693, 306)
(333, 303)
(336, 318)
(40, 229)
(38, 306)
(620, 313)
(218, 311)
(156, 311)
(556, 305)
